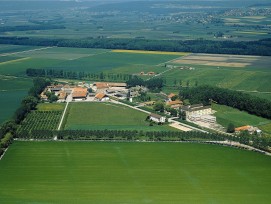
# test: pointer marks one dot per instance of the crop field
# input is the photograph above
(12, 90)
(80, 172)
(226, 115)
(50, 106)
(101, 116)
(41, 120)
(82, 59)
(151, 52)
(220, 60)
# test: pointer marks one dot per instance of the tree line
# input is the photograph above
(154, 84)
(9, 128)
(262, 143)
(260, 47)
(30, 27)
(242, 101)
(66, 74)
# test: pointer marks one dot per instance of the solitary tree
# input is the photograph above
(230, 128)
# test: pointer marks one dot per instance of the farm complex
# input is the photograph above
(151, 102)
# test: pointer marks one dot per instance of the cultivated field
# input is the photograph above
(253, 74)
(220, 60)
(12, 90)
(101, 116)
(80, 172)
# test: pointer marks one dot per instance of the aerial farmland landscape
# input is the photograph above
(135, 101)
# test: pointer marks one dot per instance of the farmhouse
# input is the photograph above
(157, 118)
(175, 104)
(79, 93)
(101, 97)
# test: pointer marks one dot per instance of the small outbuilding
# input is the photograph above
(157, 118)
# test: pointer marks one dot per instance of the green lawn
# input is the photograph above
(226, 115)
(89, 172)
(100, 116)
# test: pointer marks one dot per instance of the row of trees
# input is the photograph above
(30, 27)
(154, 84)
(260, 47)
(242, 101)
(8, 129)
(29, 102)
(133, 135)
(66, 74)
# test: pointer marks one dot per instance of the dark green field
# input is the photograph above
(12, 90)
(82, 172)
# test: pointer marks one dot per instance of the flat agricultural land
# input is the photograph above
(80, 172)
(226, 115)
(221, 60)
(51, 106)
(101, 116)
(12, 90)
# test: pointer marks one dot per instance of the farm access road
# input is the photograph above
(175, 124)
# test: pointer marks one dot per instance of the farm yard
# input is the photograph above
(101, 116)
(77, 172)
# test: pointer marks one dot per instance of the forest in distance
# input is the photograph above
(260, 47)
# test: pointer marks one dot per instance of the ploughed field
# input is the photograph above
(84, 172)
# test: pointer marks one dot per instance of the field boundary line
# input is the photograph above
(4, 153)
(180, 57)
(62, 118)
(16, 60)
(14, 53)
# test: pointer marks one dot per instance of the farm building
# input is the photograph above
(197, 109)
(55, 88)
(79, 93)
(248, 128)
(101, 87)
(157, 118)
(43, 96)
(101, 97)
(175, 104)
(203, 118)
(67, 88)
(62, 95)
(170, 96)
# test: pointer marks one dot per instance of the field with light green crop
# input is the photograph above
(83, 172)
(101, 116)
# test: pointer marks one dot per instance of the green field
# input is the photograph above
(226, 115)
(77, 172)
(50, 106)
(101, 116)
(12, 90)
